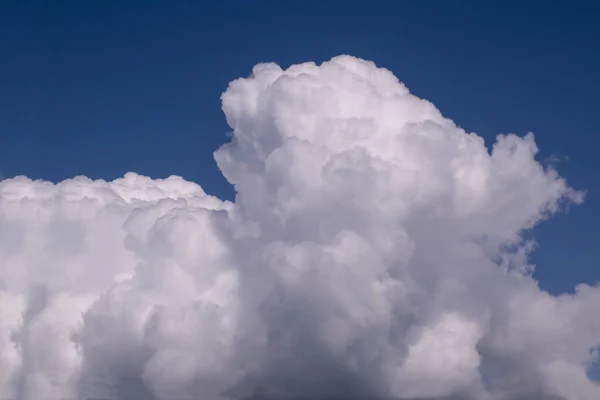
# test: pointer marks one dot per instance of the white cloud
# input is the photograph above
(374, 249)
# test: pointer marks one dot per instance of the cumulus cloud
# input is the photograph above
(374, 250)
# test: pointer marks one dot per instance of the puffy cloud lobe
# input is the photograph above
(374, 249)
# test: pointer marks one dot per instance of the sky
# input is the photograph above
(101, 89)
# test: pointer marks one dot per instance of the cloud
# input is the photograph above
(374, 250)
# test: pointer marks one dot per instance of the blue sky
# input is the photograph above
(102, 88)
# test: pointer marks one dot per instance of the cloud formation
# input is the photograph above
(374, 250)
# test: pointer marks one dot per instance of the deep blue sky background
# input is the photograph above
(99, 88)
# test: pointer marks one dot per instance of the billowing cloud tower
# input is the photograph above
(374, 250)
